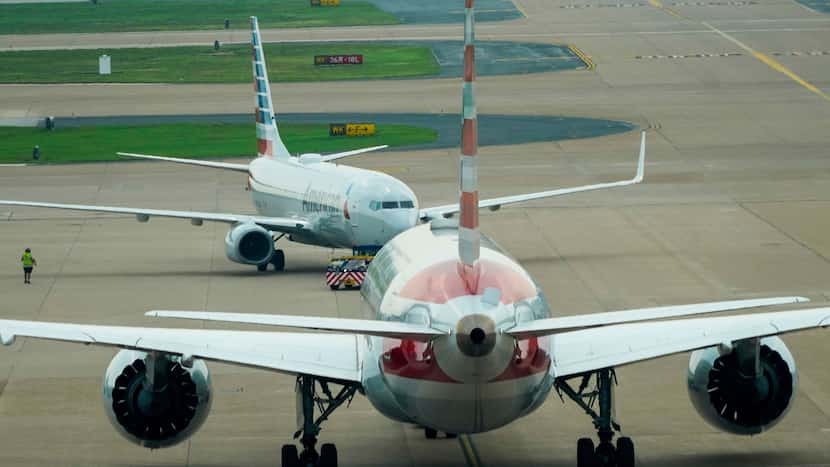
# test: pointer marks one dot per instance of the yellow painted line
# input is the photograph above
(659, 5)
(520, 8)
(469, 450)
(770, 62)
(589, 64)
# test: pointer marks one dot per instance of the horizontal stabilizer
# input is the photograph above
(341, 155)
(544, 327)
(390, 329)
(211, 164)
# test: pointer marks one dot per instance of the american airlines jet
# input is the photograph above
(309, 198)
(459, 338)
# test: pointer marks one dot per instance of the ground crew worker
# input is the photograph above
(29, 263)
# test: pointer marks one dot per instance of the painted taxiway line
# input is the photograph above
(770, 62)
(470, 451)
(13, 165)
(762, 57)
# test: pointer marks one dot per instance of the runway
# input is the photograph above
(736, 204)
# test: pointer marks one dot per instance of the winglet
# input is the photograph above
(641, 164)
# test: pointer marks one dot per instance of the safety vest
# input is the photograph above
(27, 259)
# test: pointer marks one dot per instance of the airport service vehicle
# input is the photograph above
(459, 338)
(347, 271)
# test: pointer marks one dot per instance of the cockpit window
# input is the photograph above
(407, 204)
(374, 205)
(390, 205)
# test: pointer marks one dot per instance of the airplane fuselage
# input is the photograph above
(345, 206)
(450, 384)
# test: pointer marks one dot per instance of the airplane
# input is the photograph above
(308, 199)
(459, 339)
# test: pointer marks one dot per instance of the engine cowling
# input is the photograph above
(737, 404)
(160, 413)
(249, 244)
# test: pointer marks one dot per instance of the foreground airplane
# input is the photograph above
(461, 340)
(309, 198)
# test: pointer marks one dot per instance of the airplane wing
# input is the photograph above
(277, 224)
(543, 327)
(329, 356)
(448, 210)
(341, 155)
(203, 163)
(391, 329)
(587, 350)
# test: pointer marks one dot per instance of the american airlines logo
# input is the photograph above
(321, 201)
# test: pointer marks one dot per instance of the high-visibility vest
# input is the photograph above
(27, 260)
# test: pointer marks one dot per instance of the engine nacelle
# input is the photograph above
(155, 401)
(737, 404)
(249, 244)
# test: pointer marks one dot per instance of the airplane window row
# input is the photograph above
(375, 205)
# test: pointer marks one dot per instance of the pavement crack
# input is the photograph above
(783, 232)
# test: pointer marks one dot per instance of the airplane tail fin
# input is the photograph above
(269, 143)
(469, 237)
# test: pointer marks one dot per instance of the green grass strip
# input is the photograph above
(178, 15)
(231, 64)
(100, 143)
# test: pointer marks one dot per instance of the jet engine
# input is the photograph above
(249, 243)
(736, 393)
(156, 400)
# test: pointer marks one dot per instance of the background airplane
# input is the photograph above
(308, 198)
(461, 341)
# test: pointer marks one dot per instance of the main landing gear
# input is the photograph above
(277, 259)
(326, 403)
(605, 454)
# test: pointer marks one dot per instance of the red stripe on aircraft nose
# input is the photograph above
(413, 360)
(529, 358)
(443, 282)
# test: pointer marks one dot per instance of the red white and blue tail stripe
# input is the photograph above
(469, 238)
(268, 139)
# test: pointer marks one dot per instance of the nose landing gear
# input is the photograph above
(605, 454)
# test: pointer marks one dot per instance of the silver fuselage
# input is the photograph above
(344, 205)
(415, 278)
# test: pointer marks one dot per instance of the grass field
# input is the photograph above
(159, 15)
(100, 143)
(231, 64)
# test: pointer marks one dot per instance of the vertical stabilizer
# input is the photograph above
(268, 140)
(469, 238)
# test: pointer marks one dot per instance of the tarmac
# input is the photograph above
(736, 204)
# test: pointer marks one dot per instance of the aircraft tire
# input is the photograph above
(585, 456)
(278, 260)
(262, 267)
(430, 433)
(625, 452)
(328, 456)
(290, 458)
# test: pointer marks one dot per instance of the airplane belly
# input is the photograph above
(462, 407)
